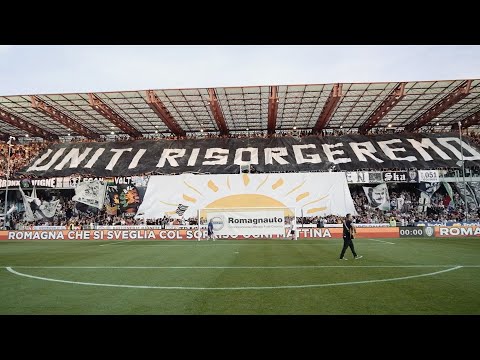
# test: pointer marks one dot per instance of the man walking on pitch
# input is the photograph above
(348, 235)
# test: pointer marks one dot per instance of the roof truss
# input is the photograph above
(20, 123)
(62, 118)
(110, 114)
(272, 109)
(471, 120)
(328, 108)
(217, 112)
(162, 112)
(451, 99)
(390, 101)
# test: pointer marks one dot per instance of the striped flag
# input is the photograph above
(181, 209)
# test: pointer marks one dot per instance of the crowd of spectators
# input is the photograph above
(406, 212)
(22, 154)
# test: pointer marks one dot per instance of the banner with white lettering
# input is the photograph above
(234, 222)
(349, 152)
(313, 193)
(395, 176)
(457, 231)
(188, 234)
(354, 177)
(71, 182)
(431, 176)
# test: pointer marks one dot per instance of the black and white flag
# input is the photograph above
(181, 209)
(427, 190)
(91, 193)
(35, 209)
(378, 196)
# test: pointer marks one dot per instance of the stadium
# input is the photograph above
(232, 200)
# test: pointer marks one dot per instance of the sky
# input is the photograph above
(60, 69)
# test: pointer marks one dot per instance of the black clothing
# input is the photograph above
(347, 242)
(347, 228)
(347, 239)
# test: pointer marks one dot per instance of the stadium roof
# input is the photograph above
(352, 106)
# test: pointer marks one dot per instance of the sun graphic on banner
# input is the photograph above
(249, 191)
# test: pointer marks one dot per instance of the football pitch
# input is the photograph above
(395, 276)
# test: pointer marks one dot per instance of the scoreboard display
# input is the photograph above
(420, 231)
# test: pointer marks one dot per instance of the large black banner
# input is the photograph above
(224, 156)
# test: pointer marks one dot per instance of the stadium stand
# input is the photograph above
(298, 111)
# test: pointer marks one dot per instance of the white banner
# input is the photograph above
(313, 194)
(378, 196)
(264, 222)
(400, 203)
(91, 193)
(35, 209)
(428, 176)
(28, 216)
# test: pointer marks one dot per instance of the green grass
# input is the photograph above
(452, 292)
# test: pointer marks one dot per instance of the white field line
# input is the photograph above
(386, 242)
(232, 288)
(197, 244)
(241, 267)
(117, 243)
